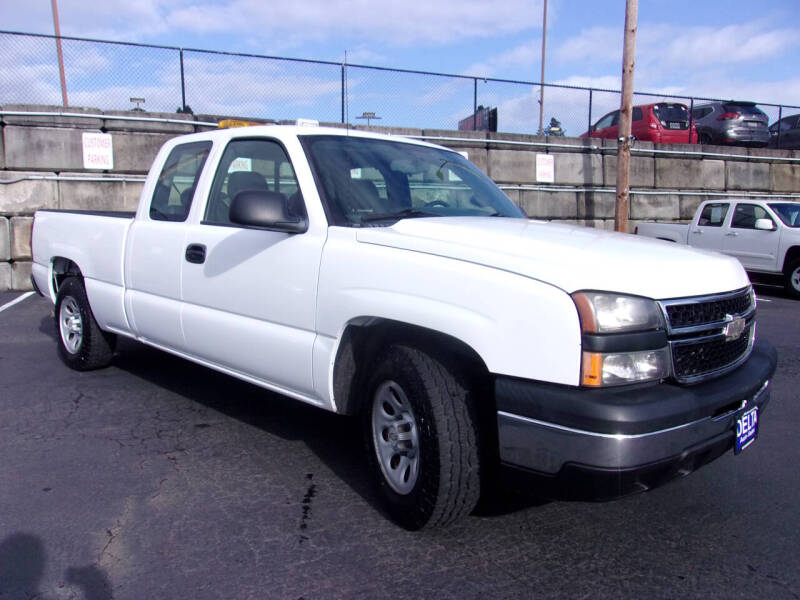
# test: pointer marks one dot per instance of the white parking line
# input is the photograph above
(16, 301)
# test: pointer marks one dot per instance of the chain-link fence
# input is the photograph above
(107, 75)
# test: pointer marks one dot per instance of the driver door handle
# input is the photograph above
(732, 234)
(196, 254)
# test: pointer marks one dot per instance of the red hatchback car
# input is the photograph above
(661, 122)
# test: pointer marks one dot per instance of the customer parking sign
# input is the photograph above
(98, 151)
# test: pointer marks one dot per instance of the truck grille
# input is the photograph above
(703, 335)
(710, 311)
(697, 358)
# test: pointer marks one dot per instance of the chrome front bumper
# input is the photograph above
(547, 447)
(551, 430)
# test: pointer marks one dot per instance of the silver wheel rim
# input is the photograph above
(70, 324)
(795, 279)
(396, 437)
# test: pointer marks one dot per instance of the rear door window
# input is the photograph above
(174, 190)
(713, 215)
(637, 113)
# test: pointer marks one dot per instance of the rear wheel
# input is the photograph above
(791, 278)
(421, 437)
(82, 345)
(704, 138)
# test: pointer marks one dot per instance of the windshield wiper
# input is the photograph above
(407, 213)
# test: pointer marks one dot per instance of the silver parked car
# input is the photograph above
(733, 122)
(789, 128)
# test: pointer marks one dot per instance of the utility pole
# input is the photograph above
(57, 28)
(541, 81)
(625, 110)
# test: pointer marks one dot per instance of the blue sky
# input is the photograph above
(725, 49)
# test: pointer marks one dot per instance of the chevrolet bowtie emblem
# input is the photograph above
(734, 327)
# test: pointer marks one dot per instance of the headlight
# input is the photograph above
(635, 326)
(601, 312)
(624, 367)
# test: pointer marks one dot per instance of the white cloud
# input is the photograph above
(394, 21)
(362, 55)
(725, 46)
(112, 19)
(519, 57)
(666, 47)
(597, 44)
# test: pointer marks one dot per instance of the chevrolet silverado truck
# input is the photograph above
(391, 280)
(763, 235)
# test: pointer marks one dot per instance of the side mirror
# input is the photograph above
(265, 210)
(765, 224)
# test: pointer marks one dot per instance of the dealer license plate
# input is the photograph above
(746, 429)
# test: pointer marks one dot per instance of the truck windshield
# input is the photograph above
(788, 212)
(377, 182)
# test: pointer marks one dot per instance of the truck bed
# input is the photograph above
(670, 232)
(95, 240)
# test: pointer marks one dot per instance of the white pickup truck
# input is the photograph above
(763, 235)
(390, 279)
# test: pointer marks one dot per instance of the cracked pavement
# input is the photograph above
(158, 478)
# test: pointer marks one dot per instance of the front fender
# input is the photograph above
(518, 326)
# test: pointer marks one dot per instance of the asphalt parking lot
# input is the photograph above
(157, 478)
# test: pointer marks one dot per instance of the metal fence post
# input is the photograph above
(183, 84)
(589, 129)
(780, 116)
(474, 103)
(691, 119)
(343, 98)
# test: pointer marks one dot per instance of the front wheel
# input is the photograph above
(791, 278)
(82, 345)
(421, 436)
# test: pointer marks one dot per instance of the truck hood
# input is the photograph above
(569, 257)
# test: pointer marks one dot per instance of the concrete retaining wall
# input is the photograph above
(42, 157)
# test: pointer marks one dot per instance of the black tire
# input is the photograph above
(82, 345)
(791, 278)
(445, 485)
(704, 138)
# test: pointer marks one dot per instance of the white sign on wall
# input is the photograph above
(545, 168)
(98, 151)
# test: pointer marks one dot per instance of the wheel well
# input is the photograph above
(792, 254)
(363, 340)
(63, 268)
